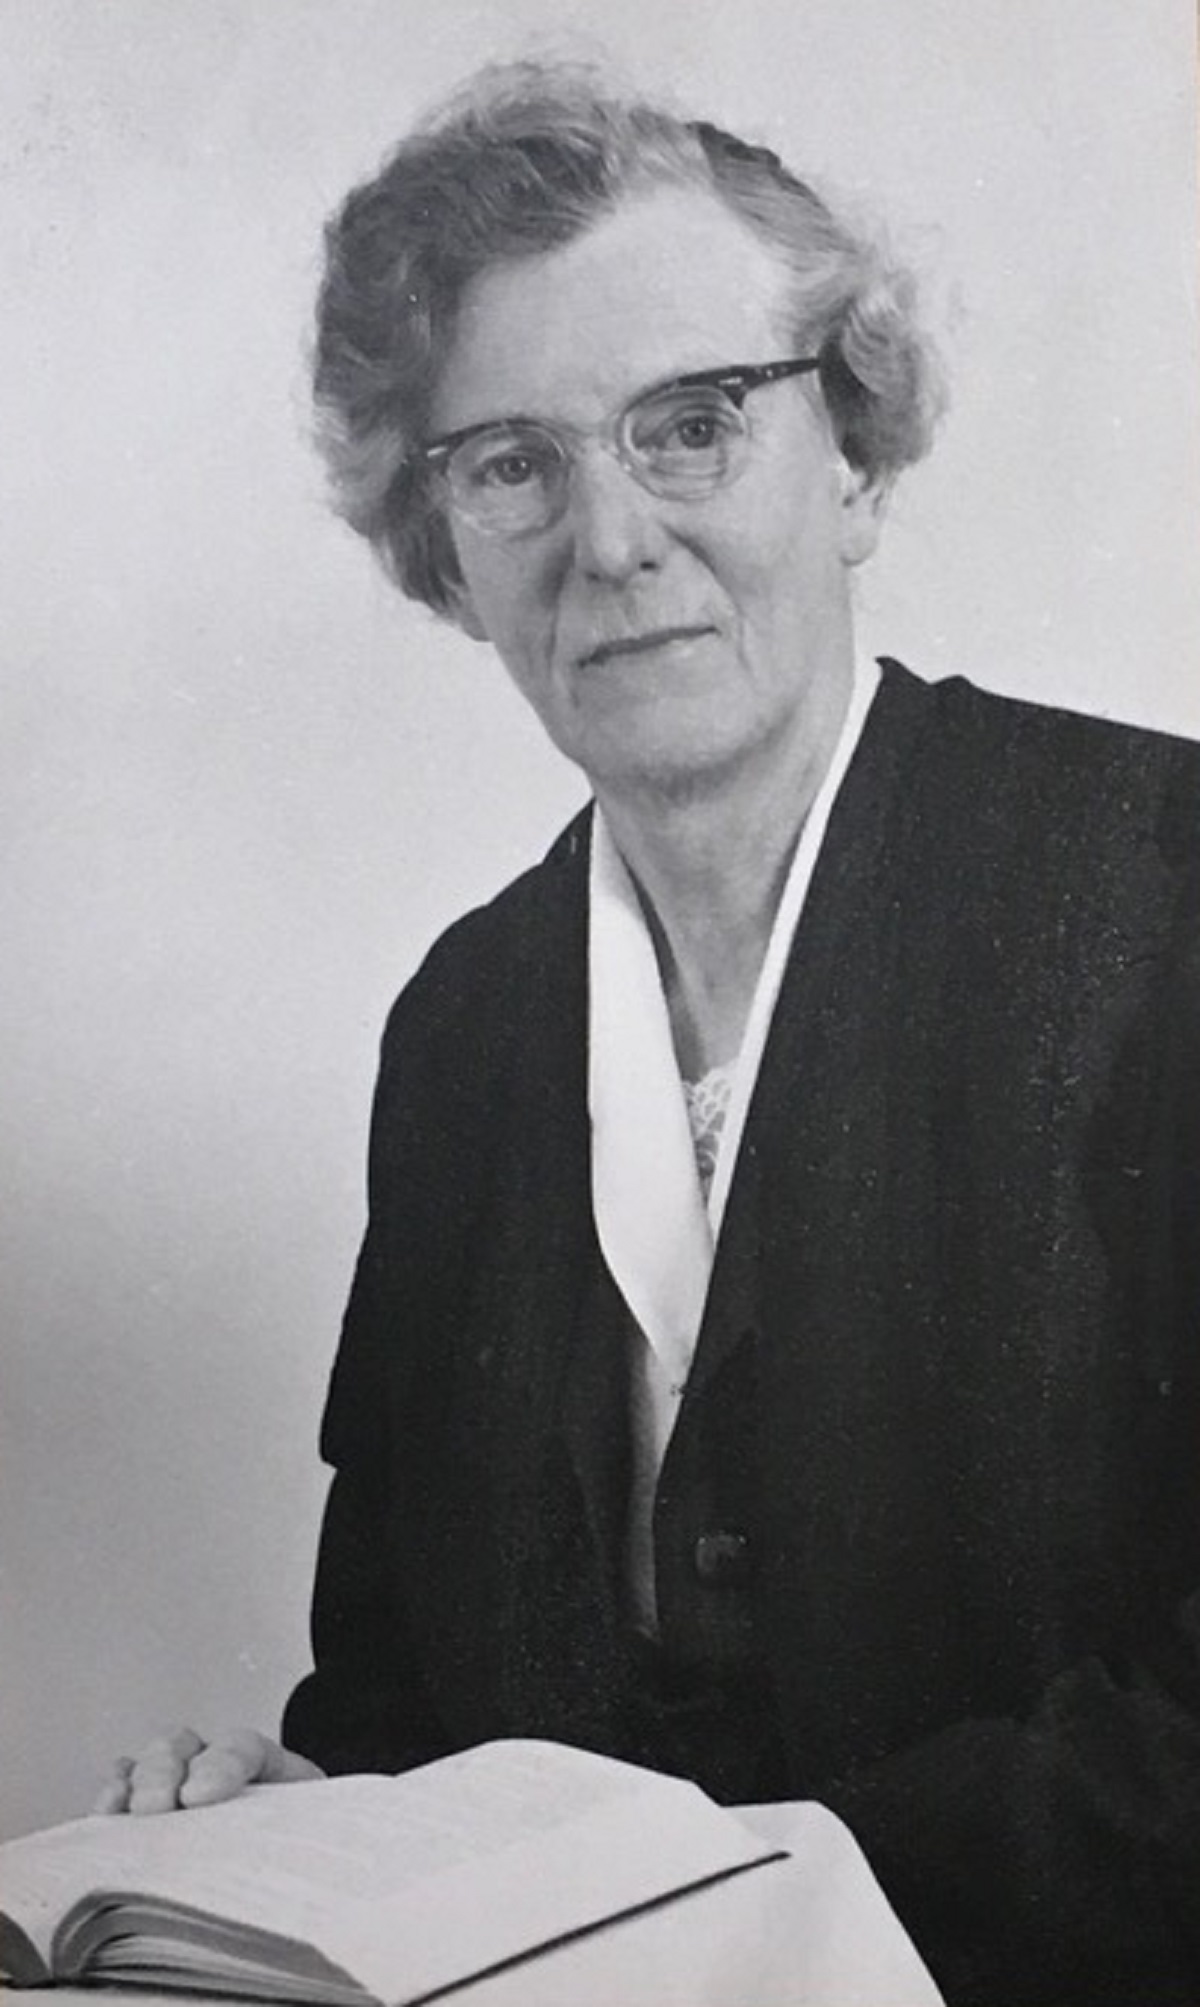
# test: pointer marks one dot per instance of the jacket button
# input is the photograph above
(722, 1558)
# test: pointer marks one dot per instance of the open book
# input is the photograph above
(390, 1889)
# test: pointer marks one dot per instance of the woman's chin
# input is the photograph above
(676, 756)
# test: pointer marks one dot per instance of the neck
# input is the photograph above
(710, 862)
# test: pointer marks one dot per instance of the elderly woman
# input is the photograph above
(773, 1353)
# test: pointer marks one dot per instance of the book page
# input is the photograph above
(599, 1853)
(406, 1883)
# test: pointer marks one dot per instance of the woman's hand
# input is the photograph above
(181, 1769)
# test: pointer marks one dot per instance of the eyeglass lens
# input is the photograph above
(678, 441)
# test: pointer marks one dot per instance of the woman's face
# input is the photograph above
(659, 641)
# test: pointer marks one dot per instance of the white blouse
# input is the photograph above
(657, 1224)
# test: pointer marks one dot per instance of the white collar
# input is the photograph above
(655, 1231)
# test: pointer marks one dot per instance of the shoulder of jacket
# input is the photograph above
(960, 703)
(528, 924)
(1061, 765)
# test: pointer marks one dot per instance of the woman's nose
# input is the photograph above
(617, 526)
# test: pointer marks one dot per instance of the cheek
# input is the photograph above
(508, 611)
(764, 532)
(760, 576)
(503, 588)
(793, 561)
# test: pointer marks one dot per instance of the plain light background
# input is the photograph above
(243, 785)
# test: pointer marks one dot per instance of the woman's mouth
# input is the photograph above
(642, 644)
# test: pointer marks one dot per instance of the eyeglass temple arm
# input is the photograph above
(740, 380)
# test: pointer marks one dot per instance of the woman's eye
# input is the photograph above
(507, 461)
(508, 470)
(696, 430)
(683, 429)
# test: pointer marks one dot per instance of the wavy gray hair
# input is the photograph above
(523, 159)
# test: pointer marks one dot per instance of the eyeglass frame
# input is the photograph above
(736, 380)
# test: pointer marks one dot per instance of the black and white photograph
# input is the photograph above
(601, 782)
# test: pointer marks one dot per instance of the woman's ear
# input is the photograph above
(863, 505)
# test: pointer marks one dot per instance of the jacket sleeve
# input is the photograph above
(1057, 1858)
(453, 1085)
(366, 1705)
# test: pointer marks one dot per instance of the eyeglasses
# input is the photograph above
(681, 440)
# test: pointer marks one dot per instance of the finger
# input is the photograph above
(113, 1794)
(159, 1771)
(289, 1768)
(225, 1766)
(236, 1758)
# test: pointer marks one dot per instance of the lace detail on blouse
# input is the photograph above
(707, 1106)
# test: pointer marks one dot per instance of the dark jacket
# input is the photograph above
(948, 1384)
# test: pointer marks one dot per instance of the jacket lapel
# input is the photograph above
(825, 1021)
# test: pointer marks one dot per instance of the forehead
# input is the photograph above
(669, 282)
